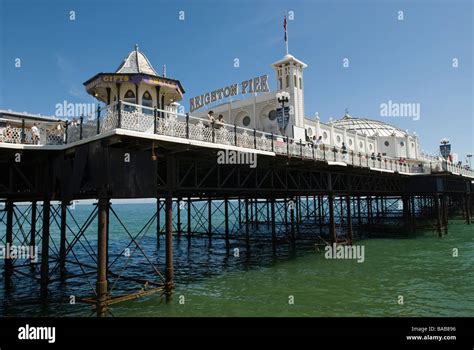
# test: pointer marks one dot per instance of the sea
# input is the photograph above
(402, 274)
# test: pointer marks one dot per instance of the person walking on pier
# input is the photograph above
(35, 132)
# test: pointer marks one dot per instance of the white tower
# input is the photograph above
(289, 77)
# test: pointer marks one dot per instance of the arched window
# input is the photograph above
(246, 120)
(129, 98)
(287, 81)
(147, 102)
(272, 115)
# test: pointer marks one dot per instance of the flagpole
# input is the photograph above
(286, 34)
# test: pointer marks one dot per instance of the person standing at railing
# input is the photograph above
(344, 152)
(219, 123)
(35, 132)
(210, 118)
(317, 142)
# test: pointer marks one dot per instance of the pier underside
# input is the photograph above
(283, 200)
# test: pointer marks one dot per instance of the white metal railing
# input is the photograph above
(46, 133)
(123, 115)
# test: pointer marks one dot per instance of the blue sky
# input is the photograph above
(407, 61)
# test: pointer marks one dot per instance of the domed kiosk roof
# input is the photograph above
(136, 62)
(369, 127)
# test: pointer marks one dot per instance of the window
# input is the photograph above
(412, 144)
(309, 131)
(147, 102)
(287, 81)
(361, 145)
(402, 144)
(246, 121)
(294, 78)
(386, 143)
(338, 139)
(129, 98)
(350, 142)
(280, 84)
(272, 115)
(301, 83)
(325, 135)
(371, 147)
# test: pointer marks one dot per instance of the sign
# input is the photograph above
(283, 117)
(258, 84)
(133, 78)
(445, 150)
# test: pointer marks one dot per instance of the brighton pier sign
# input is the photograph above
(258, 84)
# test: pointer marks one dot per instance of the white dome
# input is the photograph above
(369, 127)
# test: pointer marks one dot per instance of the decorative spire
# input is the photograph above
(164, 71)
(136, 47)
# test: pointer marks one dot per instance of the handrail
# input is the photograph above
(171, 123)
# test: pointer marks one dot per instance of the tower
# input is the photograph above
(289, 77)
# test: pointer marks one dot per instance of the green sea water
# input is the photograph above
(424, 270)
(434, 276)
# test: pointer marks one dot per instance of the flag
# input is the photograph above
(284, 26)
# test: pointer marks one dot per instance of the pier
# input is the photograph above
(296, 192)
(307, 181)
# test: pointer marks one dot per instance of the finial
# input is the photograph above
(164, 70)
(136, 47)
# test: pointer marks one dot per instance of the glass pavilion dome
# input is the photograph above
(369, 127)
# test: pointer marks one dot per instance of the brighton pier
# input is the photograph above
(138, 145)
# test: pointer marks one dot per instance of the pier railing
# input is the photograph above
(127, 116)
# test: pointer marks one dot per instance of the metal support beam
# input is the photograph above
(349, 218)
(178, 213)
(102, 248)
(292, 218)
(226, 219)
(169, 284)
(189, 219)
(45, 248)
(33, 227)
(158, 221)
(209, 218)
(332, 224)
(8, 262)
(273, 223)
(62, 241)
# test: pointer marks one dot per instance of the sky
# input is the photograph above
(403, 61)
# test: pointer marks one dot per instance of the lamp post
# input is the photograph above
(469, 156)
(282, 98)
